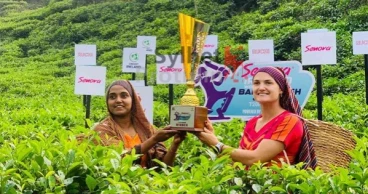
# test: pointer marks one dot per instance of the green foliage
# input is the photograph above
(41, 115)
(10, 6)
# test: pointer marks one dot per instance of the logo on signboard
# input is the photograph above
(311, 48)
(80, 54)
(181, 116)
(209, 45)
(170, 69)
(90, 80)
(318, 48)
(229, 94)
(261, 51)
(362, 42)
(133, 57)
(84, 54)
(146, 43)
(87, 80)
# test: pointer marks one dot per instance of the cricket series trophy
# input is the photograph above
(189, 116)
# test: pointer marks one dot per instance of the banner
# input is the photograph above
(90, 80)
(134, 60)
(318, 48)
(261, 50)
(148, 43)
(84, 54)
(169, 70)
(229, 94)
(146, 95)
(360, 43)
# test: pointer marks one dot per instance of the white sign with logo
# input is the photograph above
(169, 71)
(134, 60)
(148, 43)
(318, 48)
(90, 80)
(84, 54)
(360, 43)
(146, 95)
(210, 46)
(261, 50)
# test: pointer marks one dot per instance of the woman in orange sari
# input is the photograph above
(278, 134)
(127, 123)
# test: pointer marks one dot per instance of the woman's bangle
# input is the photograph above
(218, 147)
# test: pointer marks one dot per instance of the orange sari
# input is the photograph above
(112, 134)
(130, 142)
(286, 128)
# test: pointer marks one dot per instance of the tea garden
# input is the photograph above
(41, 116)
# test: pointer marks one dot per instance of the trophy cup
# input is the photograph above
(189, 116)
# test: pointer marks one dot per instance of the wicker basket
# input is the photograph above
(330, 143)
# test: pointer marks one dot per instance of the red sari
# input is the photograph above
(286, 128)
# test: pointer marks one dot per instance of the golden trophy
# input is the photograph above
(189, 116)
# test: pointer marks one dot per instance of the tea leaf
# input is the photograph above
(91, 182)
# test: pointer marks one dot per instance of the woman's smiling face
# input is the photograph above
(119, 101)
(265, 89)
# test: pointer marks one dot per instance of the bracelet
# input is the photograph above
(218, 147)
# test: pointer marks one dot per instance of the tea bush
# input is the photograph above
(41, 117)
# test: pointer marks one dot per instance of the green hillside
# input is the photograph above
(37, 91)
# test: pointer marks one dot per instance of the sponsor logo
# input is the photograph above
(134, 57)
(310, 48)
(86, 80)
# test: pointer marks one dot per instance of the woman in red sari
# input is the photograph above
(278, 134)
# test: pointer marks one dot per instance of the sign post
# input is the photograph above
(318, 47)
(148, 44)
(210, 46)
(170, 70)
(134, 61)
(360, 46)
(87, 105)
(85, 55)
(261, 50)
(89, 80)
(145, 94)
(366, 77)
(319, 92)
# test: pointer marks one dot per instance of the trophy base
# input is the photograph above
(188, 118)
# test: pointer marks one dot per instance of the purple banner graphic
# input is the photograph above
(229, 94)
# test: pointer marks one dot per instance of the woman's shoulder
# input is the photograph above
(294, 121)
(104, 123)
(292, 116)
(288, 120)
